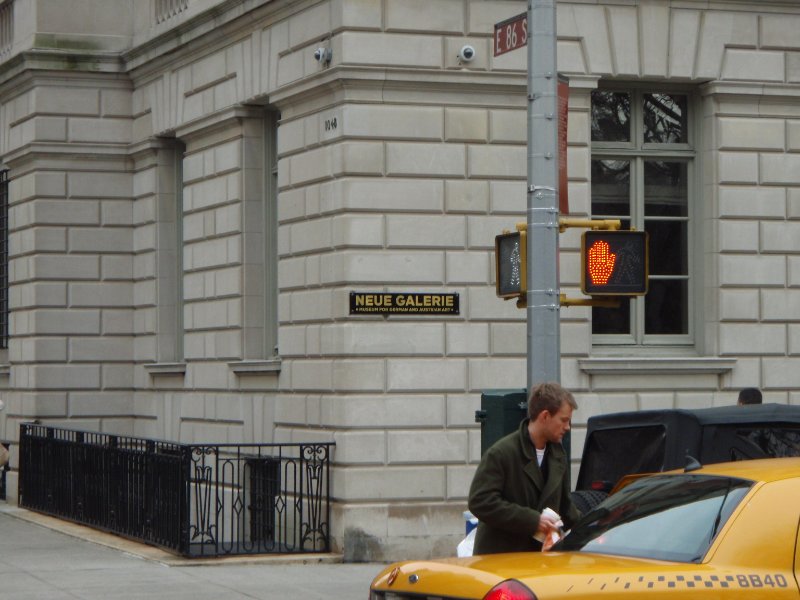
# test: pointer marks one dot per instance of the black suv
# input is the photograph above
(648, 441)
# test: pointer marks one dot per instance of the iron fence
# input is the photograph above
(193, 499)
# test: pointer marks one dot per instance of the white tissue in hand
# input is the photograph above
(550, 513)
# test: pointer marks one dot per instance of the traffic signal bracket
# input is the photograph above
(565, 223)
(601, 302)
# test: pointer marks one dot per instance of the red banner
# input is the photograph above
(563, 114)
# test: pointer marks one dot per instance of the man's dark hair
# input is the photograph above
(750, 396)
(549, 396)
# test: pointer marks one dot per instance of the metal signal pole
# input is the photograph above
(543, 317)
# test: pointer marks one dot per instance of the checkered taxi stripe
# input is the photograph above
(749, 580)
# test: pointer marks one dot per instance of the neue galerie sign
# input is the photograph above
(411, 303)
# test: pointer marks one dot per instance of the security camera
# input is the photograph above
(466, 54)
(323, 55)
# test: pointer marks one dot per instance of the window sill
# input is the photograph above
(156, 369)
(657, 365)
(255, 367)
(5, 370)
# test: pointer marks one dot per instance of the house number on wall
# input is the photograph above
(331, 124)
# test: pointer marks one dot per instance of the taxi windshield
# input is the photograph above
(665, 517)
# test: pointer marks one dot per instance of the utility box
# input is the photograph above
(500, 414)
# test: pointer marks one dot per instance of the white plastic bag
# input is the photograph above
(465, 546)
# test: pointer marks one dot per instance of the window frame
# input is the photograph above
(270, 227)
(260, 268)
(636, 151)
(169, 254)
(5, 312)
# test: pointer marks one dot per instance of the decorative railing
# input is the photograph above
(193, 499)
(166, 9)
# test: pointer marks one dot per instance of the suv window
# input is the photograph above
(722, 443)
(772, 441)
(612, 453)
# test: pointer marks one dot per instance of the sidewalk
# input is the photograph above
(44, 558)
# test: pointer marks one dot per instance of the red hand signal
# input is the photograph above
(600, 262)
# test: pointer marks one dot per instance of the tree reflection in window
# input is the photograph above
(664, 119)
(611, 116)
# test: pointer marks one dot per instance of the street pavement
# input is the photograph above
(43, 558)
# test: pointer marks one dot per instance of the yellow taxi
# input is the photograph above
(725, 531)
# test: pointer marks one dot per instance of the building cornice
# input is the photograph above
(216, 121)
(744, 88)
(62, 155)
(31, 68)
(215, 27)
(354, 83)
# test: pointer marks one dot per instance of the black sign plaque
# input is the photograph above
(404, 303)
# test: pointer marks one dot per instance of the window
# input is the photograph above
(4, 312)
(170, 252)
(642, 168)
(260, 245)
(271, 233)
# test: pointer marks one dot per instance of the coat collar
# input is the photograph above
(554, 456)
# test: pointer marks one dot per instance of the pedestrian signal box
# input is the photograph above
(510, 250)
(614, 263)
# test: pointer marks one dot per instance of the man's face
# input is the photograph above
(555, 426)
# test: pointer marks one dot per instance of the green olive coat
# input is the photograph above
(508, 493)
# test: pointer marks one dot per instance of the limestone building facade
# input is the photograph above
(192, 196)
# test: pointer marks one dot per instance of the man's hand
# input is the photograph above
(547, 525)
(549, 530)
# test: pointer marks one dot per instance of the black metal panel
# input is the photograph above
(500, 414)
(3, 470)
(196, 500)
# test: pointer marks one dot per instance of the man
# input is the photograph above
(3, 449)
(524, 473)
(749, 396)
